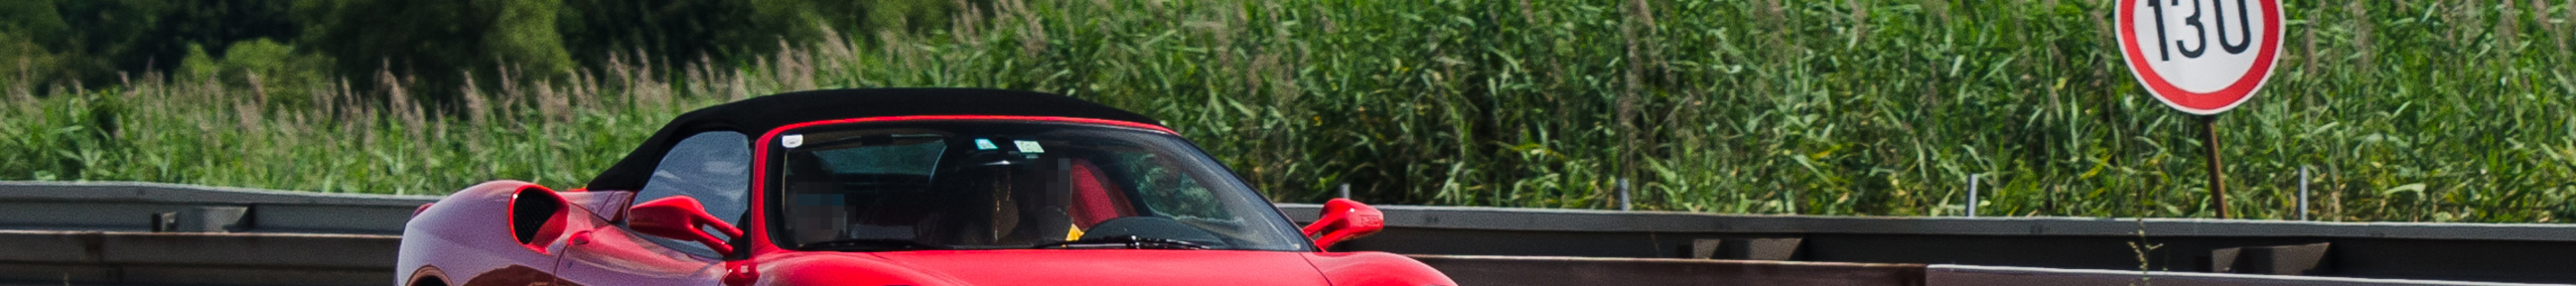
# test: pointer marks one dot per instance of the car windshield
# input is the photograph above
(993, 185)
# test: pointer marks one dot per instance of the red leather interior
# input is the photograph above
(1094, 199)
(553, 228)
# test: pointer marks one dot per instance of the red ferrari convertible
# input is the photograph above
(896, 187)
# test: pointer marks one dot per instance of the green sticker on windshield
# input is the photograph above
(1029, 146)
(984, 144)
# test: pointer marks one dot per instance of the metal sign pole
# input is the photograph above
(2169, 50)
(2217, 180)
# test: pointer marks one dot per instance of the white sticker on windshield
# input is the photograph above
(792, 140)
(984, 144)
(1029, 146)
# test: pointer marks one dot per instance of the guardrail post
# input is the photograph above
(214, 219)
(2303, 192)
(165, 222)
(1346, 190)
(1623, 194)
(2299, 259)
(1972, 195)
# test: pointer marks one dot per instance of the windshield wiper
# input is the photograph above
(872, 244)
(1127, 242)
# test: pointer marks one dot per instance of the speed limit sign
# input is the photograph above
(2200, 56)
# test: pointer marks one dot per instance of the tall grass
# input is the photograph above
(2408, 111)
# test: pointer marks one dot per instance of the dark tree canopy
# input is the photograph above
(434, 43)
(90, 40)
(431, 45)
(681, 31)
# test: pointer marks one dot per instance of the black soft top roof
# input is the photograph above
(753, 117)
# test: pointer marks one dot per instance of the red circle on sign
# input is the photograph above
(2197, 102)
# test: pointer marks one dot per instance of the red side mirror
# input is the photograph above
(680, 218)
(1344, 219)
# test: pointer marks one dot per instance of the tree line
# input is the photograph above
(431, 47)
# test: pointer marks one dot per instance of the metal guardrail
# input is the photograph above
(128, 206)
(1524, 270)
(92, 233)
(2027, 276)
(1562, 220)
(2527, 253)
(97, 233)
(143, 258)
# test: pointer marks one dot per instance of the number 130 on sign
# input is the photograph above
(2200, 56)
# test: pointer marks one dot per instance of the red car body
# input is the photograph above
(519, 233)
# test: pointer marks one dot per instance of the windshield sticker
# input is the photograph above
(984, 144)
(791, 140)
(1029, 146)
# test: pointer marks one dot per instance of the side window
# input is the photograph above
(712, 167)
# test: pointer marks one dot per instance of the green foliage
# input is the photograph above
(198, 65)
(20, 62)
(34, 18)
(28, 30)
(91, 41)
(277, 73)
(429, 47)
(682, 31)
(522, 32)
(865, 17)
(432, 45)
